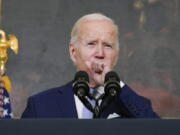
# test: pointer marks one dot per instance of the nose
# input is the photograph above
(100, 52)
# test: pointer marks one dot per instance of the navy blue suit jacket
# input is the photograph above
(59, 103)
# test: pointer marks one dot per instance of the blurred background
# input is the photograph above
(149, 47)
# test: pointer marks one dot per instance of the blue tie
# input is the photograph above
(87, 114)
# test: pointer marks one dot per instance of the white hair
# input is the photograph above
(91, 17)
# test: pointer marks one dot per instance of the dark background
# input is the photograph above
(149, 54)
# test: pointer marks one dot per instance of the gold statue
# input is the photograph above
(12, 43)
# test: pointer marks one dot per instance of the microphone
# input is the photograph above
(81, 88)
(80, 84)
(112, 89)
(112, 86)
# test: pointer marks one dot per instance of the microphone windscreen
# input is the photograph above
(111, 76)
(81, 76)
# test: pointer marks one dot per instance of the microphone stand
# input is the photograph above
(97, 110)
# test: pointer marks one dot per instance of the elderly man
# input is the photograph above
(94, 48)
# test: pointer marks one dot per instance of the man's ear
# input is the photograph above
(116, 59)
(72, 52)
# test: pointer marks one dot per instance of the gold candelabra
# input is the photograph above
(5, 44)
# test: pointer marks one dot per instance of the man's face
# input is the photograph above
(96, 51)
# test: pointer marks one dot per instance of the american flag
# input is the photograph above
(7, 112)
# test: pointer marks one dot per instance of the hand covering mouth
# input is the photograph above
(98, 71)
(98, 67)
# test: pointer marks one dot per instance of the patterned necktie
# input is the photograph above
(87, 114)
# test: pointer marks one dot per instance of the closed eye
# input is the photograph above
(108, 45)
(91, 43)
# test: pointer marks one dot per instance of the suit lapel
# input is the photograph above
(66, 102)
(111, 109)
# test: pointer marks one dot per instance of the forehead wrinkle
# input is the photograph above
(93, 35)
(85, 31)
